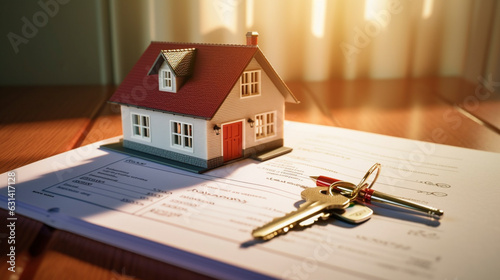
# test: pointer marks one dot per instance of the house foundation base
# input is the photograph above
(118, 147)
(261, 152)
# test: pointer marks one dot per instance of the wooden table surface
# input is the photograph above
(38, 122)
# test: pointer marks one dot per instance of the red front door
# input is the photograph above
(232, 135)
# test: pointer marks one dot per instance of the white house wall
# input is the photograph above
(236, 108)
(160, 129)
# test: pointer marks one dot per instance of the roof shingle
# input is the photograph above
(216, 70)
(180, 60)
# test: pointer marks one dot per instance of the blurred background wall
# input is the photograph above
(98, 41)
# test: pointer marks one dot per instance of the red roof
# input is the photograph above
(216, 70)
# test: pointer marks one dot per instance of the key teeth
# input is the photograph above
(314, 219)
(269, 236)
(310, 221)
(315, 201)
(281, 231)
(286, 229)
(276, 233)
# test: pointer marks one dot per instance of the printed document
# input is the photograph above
(203, 222)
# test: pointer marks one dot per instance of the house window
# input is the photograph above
(265, 125)
(250, 83)
(166, 80)
(141, 127)
(182, 135)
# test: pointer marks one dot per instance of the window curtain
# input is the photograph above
(315, 40)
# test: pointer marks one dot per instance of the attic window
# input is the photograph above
(166, 80)
(250, 83)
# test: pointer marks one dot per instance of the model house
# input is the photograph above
(199, 106)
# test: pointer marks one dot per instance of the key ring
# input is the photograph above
(339, 185)
(361, 184)
(370, 171)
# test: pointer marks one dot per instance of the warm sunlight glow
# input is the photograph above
(427, 9)
(152, 20)
(318, 18)
(370, 6)
(224, 16)
(249, 13)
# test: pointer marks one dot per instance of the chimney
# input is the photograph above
(252, 37)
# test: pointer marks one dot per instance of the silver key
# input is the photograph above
(317, 201)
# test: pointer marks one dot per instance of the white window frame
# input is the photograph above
(166, 80)
(141, 126)
(182, 135)
(250, 83)
(265, 125)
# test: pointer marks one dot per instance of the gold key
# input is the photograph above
(317, 201)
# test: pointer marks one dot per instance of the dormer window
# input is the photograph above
(173, 67)
(166, 80)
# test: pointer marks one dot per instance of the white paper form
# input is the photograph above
(204, 222)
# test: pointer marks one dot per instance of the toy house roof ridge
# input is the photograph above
(205, 44)
(180, 50)
(216, 69)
